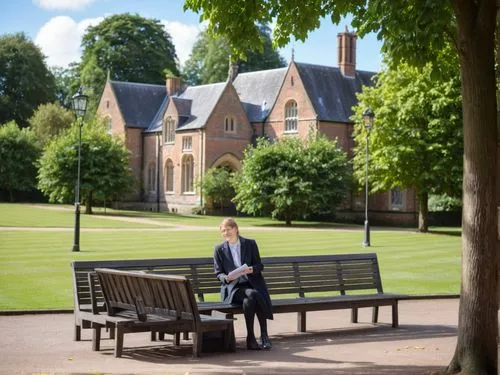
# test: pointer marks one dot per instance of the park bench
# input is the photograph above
(296, 284)
(141, 302)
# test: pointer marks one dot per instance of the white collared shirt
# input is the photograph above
(236, 252)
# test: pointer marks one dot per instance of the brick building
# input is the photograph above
(175, 133)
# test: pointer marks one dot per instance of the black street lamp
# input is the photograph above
(79, 102)
(368, 117)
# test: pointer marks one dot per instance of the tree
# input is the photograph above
(19, 153)
(67, 83)
(49, 120)
(208, 62)
(417, 141)
(105, 170)
(216, 186)
(291, 178)
(25, 81)
(417, 31)
(131, 48)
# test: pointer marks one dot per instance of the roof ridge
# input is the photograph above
(136, 83)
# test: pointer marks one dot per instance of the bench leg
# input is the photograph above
(112, 333)
(119, 342)
(177, 338)
(96, 337)
(301, 321)
(153, 335)
(229, 339)
(354, 315)
(197, 341)
(395, 318)
(375, 314)
(186, 336)
(77, 334)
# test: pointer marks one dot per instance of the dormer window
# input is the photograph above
(169, 130)
(291, 117)
(229, 125)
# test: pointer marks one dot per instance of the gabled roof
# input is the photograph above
(138, 102)
(332, 94)
(255, 88)
(202, 100)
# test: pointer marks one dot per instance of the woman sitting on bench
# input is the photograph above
(249, 289)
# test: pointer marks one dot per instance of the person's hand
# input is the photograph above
(229, 279)
(249, 270)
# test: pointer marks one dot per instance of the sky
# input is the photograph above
(57, 26)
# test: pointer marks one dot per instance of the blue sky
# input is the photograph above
(58, 25)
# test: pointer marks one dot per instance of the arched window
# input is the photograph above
(108, 125)
(151, 177)
(397, 197)
(187, 174)
(169, 176)
(229, 125)
(169, 131)
(291, 117)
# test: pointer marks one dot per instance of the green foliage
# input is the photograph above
(216, 185)
(209, 59)
(131, 48)
(67, 83)
(292, 178)
(49, 120)
(444, 202)
(25, 81)
(417, 138)
(19, 152)
(104, 166)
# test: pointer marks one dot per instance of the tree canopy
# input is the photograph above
(131, 48)
(105, 170)
(49, 120)
(416, 31)
(291, 179)
(19, 153)
(25, 80)
(209, 59)
(417, 139)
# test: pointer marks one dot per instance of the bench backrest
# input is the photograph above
(144, 293)
(298, 275)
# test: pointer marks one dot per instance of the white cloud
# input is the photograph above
(183, 36)
(63, 4)
(60, 39)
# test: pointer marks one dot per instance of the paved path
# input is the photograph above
(425, 342)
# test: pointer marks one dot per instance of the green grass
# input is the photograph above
(35, 271)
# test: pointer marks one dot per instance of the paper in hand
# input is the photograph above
(241, 270)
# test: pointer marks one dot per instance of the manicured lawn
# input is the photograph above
(35, 271)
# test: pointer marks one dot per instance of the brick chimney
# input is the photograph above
(173, 85)
(346, 53)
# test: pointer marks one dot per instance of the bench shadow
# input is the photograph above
(290, 348)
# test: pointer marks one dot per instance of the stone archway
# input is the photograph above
(231, 163)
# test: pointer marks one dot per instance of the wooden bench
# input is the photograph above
(296, 284)
(140, 302)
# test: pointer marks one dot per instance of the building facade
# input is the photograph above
(176, 133)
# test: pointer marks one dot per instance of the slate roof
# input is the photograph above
(202, 100)
(332, 94)
(256, 87)
(138, 102)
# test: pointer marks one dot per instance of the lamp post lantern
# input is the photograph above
(368, 118)
(79, 103)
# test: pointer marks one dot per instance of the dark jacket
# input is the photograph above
(223, 264)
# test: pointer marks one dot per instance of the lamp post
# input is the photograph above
(79, 102)
(368, 117)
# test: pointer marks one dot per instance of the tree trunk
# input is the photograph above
(476, 350)
(423, 212)
(88, 204)
(11, 196)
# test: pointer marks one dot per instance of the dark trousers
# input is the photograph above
(253, 304)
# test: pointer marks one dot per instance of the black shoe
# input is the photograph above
(266, 343)
(253, 345)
